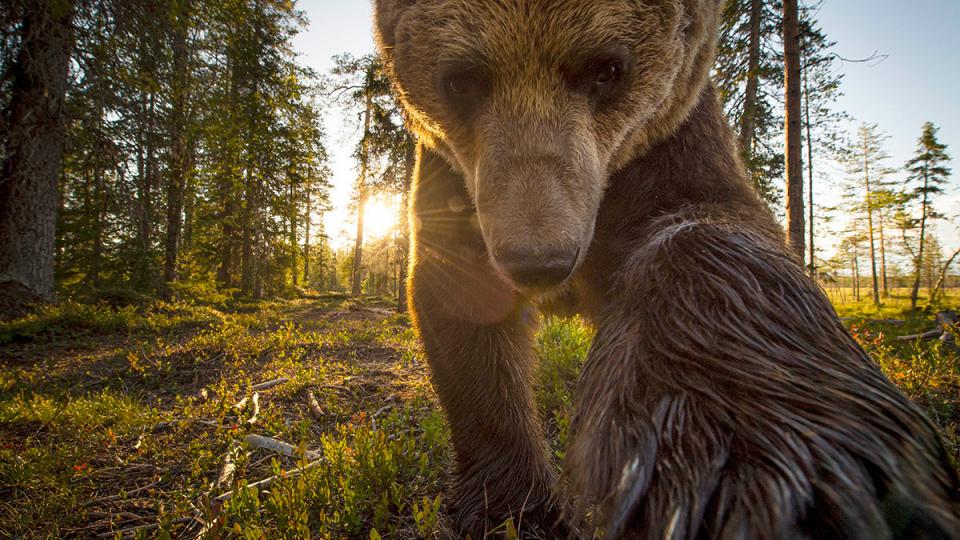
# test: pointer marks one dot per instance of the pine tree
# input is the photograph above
(32, 149)
(928, 170)
(796, 227)
(749, 75)
(821, 88)
(361, 83)
(865, 160)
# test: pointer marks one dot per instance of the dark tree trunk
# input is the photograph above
(411, 158)
(247, 269)
(870, 227)
(34, 151)
(748, 118)
(884, 283)
(918, 263)
(796, 228)
(306, 238)
(292, 232)
(178, 151)
(812, 263)
(228, 248)
(357, 283)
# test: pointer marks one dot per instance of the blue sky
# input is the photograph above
(918, 81)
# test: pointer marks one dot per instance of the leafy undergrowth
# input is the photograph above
(118, 422)
(927, 371)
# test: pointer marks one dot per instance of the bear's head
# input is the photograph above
(537, 102)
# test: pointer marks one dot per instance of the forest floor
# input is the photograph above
(144, 422)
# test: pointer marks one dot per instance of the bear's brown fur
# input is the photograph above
(573, 153)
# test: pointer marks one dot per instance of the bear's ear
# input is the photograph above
(386, 14)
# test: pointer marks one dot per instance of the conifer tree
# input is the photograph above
(928, 172)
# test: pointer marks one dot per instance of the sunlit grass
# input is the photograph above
(97, 403)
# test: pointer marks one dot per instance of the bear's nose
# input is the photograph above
(534, 267)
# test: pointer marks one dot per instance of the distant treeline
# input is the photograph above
(174, 148)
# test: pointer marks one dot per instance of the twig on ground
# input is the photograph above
(947, 323)
(229, 466)
(256, 408)
(270, 384)
(382, 410)
(926, 335)
(274, 445)
(125, 495)
(314, 405)
(267, 482)
(128, 530)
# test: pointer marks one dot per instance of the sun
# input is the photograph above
(379, 217)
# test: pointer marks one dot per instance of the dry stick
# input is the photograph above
(382, 410)
(124, 532)
(270, 384)
(242, 403)
(256, 408)
(229, 466)
(926, 335)
(274, 445)
(314, 405)
(126, 495)
(267, 482)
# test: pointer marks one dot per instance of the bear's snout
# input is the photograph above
(536, 268)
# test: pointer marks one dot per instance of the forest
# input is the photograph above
(190, 344)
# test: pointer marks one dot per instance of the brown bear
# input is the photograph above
(573, 156)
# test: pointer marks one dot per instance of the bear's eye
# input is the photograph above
(463, 87)
(607, 72)
(460, 84)
(601, 76)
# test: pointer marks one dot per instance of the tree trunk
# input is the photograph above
(247, 233)
(178, 149)
(748, 118)
(813, 253)
(292, 232)
(411, 157)
(146, 170)
(883, 255)
(938, 288)
(306, 239)
(362, 201)
(918, 264)
(870, 231)
(358, 248)
(796, 228)
(34, 153)
(856, 275)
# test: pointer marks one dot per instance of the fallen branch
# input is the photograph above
(267, 482)
(229, 466)
(270, 384)
(124, 495)
(947, 322)
(256, 408)
(138, 528)
(894, 322)
(926, 335)
(382, 410)
(274, 445)
(314, 405)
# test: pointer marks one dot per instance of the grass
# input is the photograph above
(116, 422)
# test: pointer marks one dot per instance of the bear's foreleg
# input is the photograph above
(723, 398)
(478, 338)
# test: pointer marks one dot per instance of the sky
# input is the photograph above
(919, 80)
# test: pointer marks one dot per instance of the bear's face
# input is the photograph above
(537, 102)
